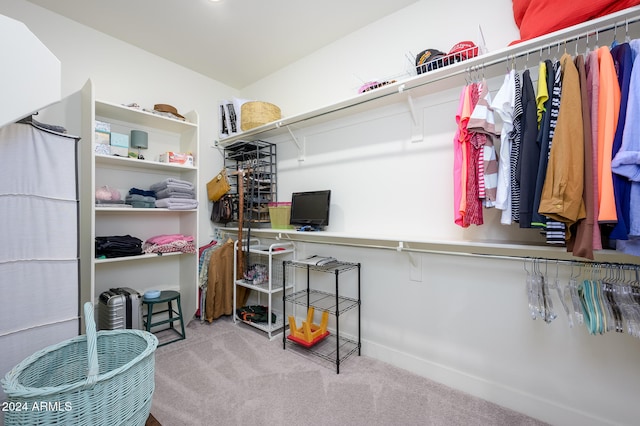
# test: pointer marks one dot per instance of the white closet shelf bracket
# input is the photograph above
(417, 129)
(301, 146)
(412, 108)
(218, 148)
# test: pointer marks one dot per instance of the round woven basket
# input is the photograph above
(256, 113)
(102, 378)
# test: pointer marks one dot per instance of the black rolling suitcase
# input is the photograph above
(120, 308)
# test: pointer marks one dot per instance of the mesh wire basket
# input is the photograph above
(102, 378)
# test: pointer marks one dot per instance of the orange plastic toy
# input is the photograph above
(309, 334)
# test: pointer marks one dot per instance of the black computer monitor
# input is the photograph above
(310, 209)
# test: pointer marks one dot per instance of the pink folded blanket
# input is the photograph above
(168, 238)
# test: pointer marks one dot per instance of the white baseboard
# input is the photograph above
(515, 399)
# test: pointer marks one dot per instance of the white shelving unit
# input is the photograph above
(168, 271)
(266, 286)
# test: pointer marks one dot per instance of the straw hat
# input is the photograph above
(167, 108)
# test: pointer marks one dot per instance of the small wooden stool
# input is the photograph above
(309, 334)
(167, 296)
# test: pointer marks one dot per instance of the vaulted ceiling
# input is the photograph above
(236, 42)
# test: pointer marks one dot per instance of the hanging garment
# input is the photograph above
(504, 105)
(464, 142)
(581, 242)
(554, 230)
(203, 266)
(514, 158)
(204, 255)
(219, 297)
(562, 191)
(490, 163)
(623, 61)
(457, 163)
(473, 208)
(593, 88)
(459, 157)
(608, 110)
(627, 160)
(482, 120)
(527, 168)
(482, 92)
(542, 97)
(203, 248)
(549, 103)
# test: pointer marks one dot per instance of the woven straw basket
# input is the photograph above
(103, 378)
(256, 113)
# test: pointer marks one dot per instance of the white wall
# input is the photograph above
(462, 321)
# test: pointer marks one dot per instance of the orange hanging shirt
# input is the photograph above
(608, 111)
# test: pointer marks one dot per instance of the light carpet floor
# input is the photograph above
(231, 374)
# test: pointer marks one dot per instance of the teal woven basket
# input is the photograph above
(102, 378)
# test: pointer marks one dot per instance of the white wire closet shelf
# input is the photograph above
(427, 61)
(450, 76)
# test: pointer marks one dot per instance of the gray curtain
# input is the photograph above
(39, 284)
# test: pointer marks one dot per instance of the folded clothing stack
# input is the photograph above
(143, 192)
(140, 201)
(111, 203)
(175, 194)
(168, 243)
(118, 246)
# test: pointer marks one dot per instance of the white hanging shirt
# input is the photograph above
(504, 105)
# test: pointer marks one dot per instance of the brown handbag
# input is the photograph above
(218, 186)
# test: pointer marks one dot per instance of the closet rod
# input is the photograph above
(402, 247)
(499, 252)
(580, 263)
